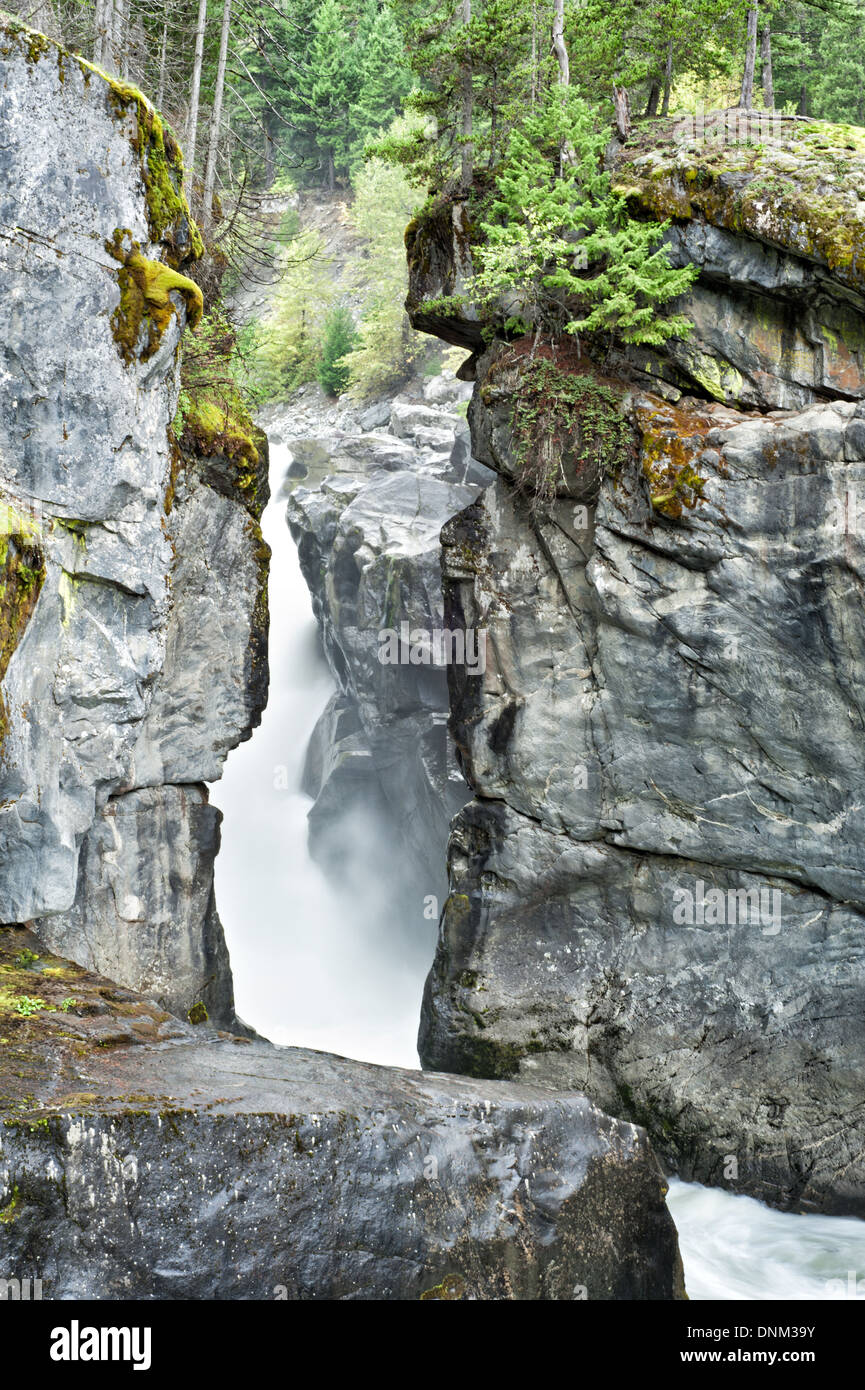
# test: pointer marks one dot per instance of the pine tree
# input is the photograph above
(383, 72)
(340, 336)
(561, 250)
(838, 92)
(335, 82)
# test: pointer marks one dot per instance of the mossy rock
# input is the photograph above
(800, 190)
(22, 574)
(170, 222)
(146, 307)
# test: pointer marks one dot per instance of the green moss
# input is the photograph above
(210, 428)
(671, 440)
(198, 1013)
(146, 308)
(800, 192)
(7, 1213)
(161, 163)
(566, 425)
(22, 574)
(452, 1288)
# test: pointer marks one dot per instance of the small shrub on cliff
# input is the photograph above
(560, 249)
(214, 410)
(568, 429)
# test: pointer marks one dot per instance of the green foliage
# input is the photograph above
(818, 58)
(217, 396)
(564, 422)
(560, 249)
(27, 1005)
(328, 76)
(285, 347)
(387, 346)
(340, 336)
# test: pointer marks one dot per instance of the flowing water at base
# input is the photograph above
(318, 965)
(735, 1248)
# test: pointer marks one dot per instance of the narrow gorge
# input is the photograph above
(607, 860)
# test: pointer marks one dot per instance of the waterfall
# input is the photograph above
(315, 964)
(322, 965)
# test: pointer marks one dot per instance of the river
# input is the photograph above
(315, 965)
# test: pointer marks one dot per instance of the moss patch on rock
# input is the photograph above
(22, 574)
(672, 439)
(146, 307)
(55, 1018)
(162, 173)
(801, 189)
(556, 425)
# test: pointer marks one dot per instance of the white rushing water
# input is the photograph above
(736, 1248)
(314, 964)
(320, 966)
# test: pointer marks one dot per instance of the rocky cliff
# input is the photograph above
(143, 1158)
(367, 516)
(141, 1154)
(133, 607)
(657, 891)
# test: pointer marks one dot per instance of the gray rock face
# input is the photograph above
(328, 1179)
(657, 895)
(657, 892)
(141, 663)
(145, 909)
(368, 539)
(769, 330)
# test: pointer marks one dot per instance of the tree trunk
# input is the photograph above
(652, 103)
(623, 112)
(121, 36)
(216, 116)
(559, 47)
(467, 161)
(101, 32)
(163, 52)
(668, 80)
(269, 159)
(766, 67)
(331, 172)
(746, 100)
(534, 53)
(803, 100)
(192, 119)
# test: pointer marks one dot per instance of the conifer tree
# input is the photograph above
(383, 74)
(561, 251)
(340, 336)
(335, 82)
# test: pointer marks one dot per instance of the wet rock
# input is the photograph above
(142, 660)
(200, 1167)
(669, 718)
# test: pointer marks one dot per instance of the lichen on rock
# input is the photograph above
(146, 307)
